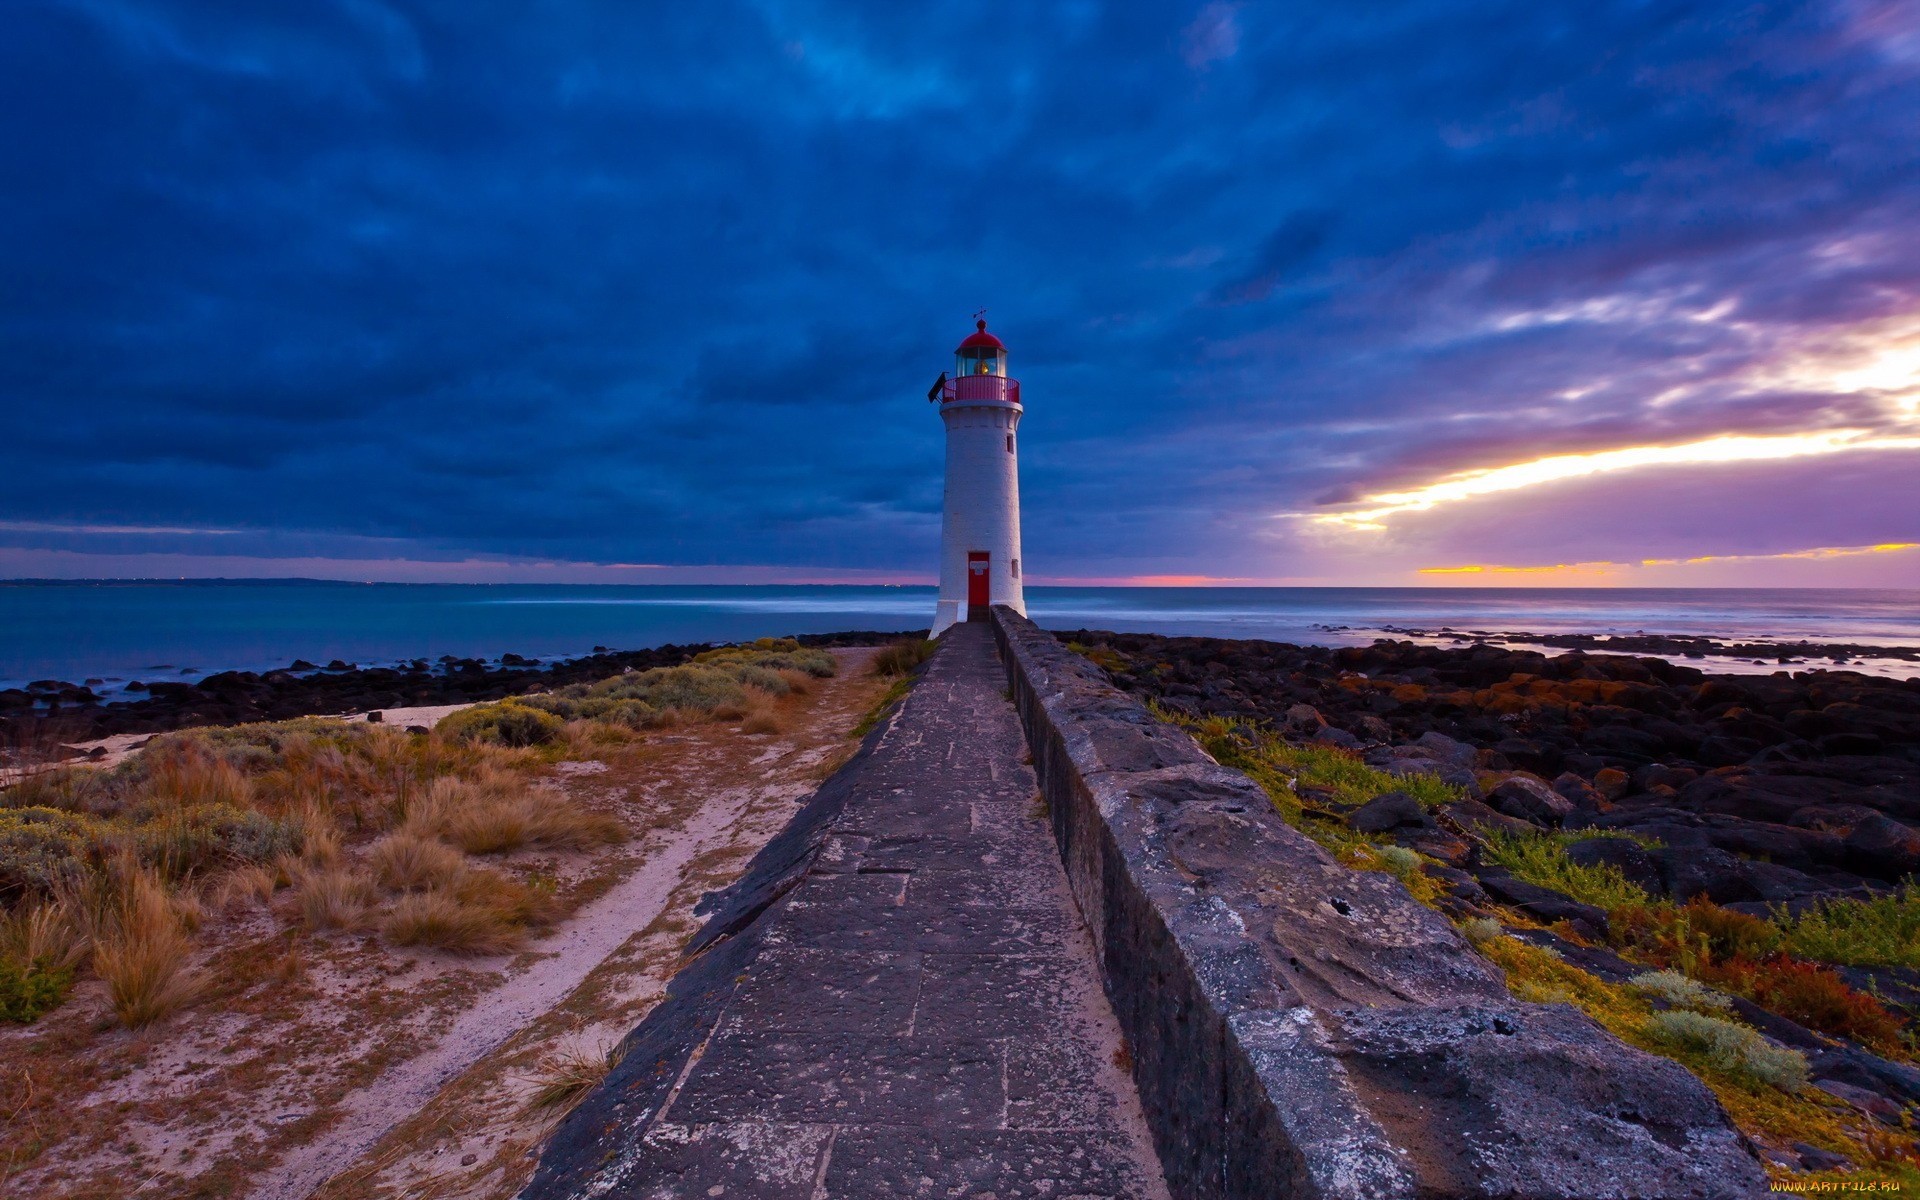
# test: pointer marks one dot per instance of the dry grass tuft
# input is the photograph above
(183, 773)
(43, 932)
(320, 841)
(332, 898)
(496, 813)
(800, 683)
(142, 951)
(443, 922)
(246, 885)
(763, 719)
(564, 1079)
(405, 862)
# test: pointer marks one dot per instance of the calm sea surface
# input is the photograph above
(123, 631)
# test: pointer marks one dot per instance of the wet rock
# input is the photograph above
(1703, 871)
(1389, 810)
(1883, 847)
(1304, 719)
(1529, 799)
(1581, 793)
(1443, 749)
(1623, 855)
(1872, 1103)
(1436, 843)
(1813, 1158)
(1545, 904)
(1330, 736)
(1372, 729)
(1612, 782)
(1476, 817)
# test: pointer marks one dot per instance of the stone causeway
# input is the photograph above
(1032, 942)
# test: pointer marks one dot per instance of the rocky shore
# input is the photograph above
(55, 711)
(1757, 834)
(1766, 650)
(1762, 788)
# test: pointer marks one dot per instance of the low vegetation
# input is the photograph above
(333, 826)
(1699, 954)
(566, 1077)
(1542, 860)
(729, 683)
(903, 656)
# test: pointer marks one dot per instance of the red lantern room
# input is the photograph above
(981, 354)
(979, 372)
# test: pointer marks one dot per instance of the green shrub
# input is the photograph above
(1542, 860)
(506, 723)
(1732, 1048)
(28, 991)
(1679, 991)
(764, 679)
(1481, 929)
(40, 848)
(775, 654)
(1882, 932)
(188, 840)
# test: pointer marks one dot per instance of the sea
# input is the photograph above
(114, 632)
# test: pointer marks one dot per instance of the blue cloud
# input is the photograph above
(667, 285)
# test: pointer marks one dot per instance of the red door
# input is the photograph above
(977, 592)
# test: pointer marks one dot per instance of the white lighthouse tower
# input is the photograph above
(980, 531)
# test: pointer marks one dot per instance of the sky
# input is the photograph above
(1436, 292)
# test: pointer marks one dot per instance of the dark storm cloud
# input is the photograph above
(640, 283)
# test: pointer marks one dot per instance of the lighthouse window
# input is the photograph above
(1009, 443)
(1015, 564)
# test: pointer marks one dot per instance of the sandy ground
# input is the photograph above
(338, 1066)
(121, 746)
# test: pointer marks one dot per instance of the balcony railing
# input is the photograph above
(981, 387)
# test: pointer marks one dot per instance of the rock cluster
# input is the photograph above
(1763, 789)
(1762, 795)
(1300, 1028)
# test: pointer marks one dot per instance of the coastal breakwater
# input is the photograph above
(1301, 1029)
(915, 990)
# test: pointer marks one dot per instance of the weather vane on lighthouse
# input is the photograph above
(980, 528)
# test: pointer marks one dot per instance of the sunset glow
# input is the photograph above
(1616, 568)
(1467, 485)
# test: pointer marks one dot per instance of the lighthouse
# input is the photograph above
(980, 527)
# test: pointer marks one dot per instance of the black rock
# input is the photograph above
(1389, 810)
(1530, 799)
(1623, 855)
(1703, 871)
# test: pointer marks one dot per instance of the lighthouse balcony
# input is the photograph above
(991, 389)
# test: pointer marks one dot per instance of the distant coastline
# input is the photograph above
(116, 631)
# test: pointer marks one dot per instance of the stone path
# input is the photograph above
(923, 1016)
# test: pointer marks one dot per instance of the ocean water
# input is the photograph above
(185, 630)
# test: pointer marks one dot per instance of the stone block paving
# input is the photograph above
(924, 1018)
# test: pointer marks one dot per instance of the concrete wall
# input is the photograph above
(1299, 1029)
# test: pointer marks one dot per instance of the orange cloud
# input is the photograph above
(1612, 568)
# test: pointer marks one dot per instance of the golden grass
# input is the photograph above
(183, 773)
(141, 953)
(798, 682)
(332, 898)
(44, 932)
(496, 813)
(564, 1078)
(253, 884)
(405, 862)
(439, 920)
(901, 657)
(763, 718)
